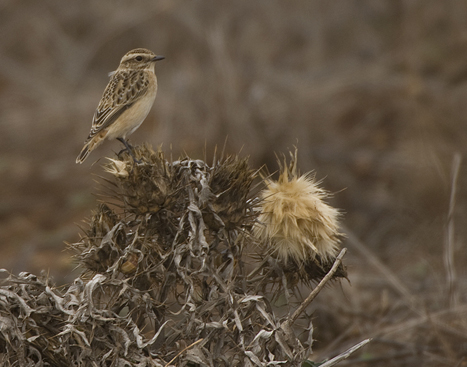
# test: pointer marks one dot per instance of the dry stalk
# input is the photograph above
(451, 277)
(183, 350)
(392, 278)
(344, 355)
(317, 289)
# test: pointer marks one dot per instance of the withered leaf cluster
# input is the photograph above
(172, 276)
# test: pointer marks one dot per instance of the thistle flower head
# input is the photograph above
(294, 218)
(145, 187)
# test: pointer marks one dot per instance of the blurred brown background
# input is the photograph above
(373, 93)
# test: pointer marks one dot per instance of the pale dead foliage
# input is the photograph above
(166, 278)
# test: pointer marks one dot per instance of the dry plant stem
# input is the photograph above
(458, 364)
(336, 342)
(397, 285)
(184, 349)
(444, 343)
(441, 361)
(346, 354)
(318, 288)
(451, 277)
(387, 358)
(412, 323)
(383, 269)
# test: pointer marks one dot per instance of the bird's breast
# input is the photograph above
(134, 116)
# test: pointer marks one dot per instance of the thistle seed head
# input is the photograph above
(294, 218)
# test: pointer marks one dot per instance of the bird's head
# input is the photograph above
(139, 59)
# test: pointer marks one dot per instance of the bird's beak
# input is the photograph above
(157, 58)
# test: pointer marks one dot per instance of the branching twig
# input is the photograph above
(318, 288)
(184, 349)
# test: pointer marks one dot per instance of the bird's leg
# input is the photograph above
(128, 148)
(127, 145)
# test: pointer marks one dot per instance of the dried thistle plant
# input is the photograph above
(166, 280)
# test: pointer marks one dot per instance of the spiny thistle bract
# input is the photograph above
(165, 281)
(146, 187)
(295, 225)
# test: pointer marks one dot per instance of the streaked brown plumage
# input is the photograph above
(126, 101)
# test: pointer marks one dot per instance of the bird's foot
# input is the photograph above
(129, 148)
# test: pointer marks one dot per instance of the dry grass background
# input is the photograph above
(373, 92)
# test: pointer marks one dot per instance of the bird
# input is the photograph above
(126, 101)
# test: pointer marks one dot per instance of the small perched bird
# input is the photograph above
(126, 101)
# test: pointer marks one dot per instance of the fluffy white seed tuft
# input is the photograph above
(295, 220)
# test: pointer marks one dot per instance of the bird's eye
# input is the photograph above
(139, 58)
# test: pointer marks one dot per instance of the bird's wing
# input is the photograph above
(123, 90)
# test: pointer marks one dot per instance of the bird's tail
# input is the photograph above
(88, 148)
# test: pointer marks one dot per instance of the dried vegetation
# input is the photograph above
(375, 91)
(173, 274)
